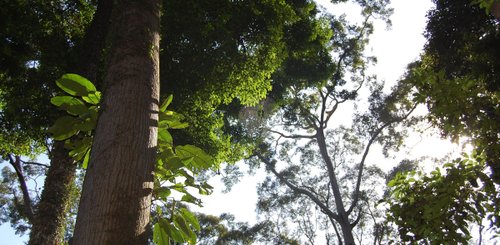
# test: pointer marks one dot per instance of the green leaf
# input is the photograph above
(166, 103)
(171, 230)
(201, 160)
(86, 159)
(64, 128)
(163, 192)
(173, 163)
(75, 85)
(70, 104)
(177, 125)
(87, 125)
(92, 98)
(186, 230)
(160, 236)
(79, 152)
(172, 120)
(190, 199)
(164, 137)
(190, 218)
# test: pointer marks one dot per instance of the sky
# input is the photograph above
(394, 49)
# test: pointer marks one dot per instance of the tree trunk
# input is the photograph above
(343, 219)
(116, 198)
(49, 222)
(48, 225)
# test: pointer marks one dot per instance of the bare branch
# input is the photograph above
(293, 136)
(365, 154)
(36, 163)
(360, 214)
(28, 206)
(299, 190)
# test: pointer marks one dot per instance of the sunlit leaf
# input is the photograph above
(201, 160)
(86, 159)
(190, 218)
(186, 230)
(75, 85)
(166, 103)
(70, 104)
(92, 98)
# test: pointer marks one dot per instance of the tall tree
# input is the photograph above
(333, 166)
(116, 196)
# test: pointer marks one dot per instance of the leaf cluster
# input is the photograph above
(440, 207)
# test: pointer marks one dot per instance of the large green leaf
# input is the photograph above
(160, 236)
(70, 104)
(190, 218)
(173, 163)
(64, 128)
(172, 231)
(201, 160)
(164, 137)
(187, 232)
(75, 85)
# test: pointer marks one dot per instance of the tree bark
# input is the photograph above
(49, 222)
(48, 225)
(116, 197)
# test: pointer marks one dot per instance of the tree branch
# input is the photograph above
(299, 190)
(293, 136)
(365, 154)
(28, 206)
(36, 163)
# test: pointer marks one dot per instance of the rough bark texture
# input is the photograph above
(48, 224)
(49, 221)
(116, 198)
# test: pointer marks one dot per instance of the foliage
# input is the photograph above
(219, 56)
(82, 106)
(485, 4)
(37, 41)
(176, 168)
(439, 208)
(456, 76)
(224, 229)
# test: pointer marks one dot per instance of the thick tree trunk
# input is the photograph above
(48, 225)
(116, 198)
(49, 222)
